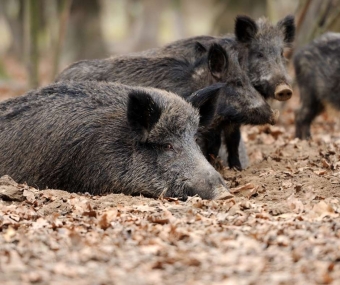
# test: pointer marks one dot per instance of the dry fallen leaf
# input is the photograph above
(295, 204)
(29, 195)
(9, 234)
(267, 139)
(256, 155)
(266, 173)
(320, 172)
(322, 209)
(9, 189)
(287, 183)
(248, 186)
(248, 190)
(325, 163)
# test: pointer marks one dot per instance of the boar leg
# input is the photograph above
(311, 107)
(232, 141)
(210, 143)
(213, 145)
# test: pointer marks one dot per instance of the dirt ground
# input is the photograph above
(282, 227)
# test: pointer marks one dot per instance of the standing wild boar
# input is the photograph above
(238, 103)
(260, 47)
(109, 138)
(317, 68)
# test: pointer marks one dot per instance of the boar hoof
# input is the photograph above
(283, 92)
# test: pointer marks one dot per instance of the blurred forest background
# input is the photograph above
(41, 37)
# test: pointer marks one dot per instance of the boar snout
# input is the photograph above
(208, 184)
(283, 92)
(222, 193)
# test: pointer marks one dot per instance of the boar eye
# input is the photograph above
(168, 147)
(259, 55)
(239, 83)
(281, 53)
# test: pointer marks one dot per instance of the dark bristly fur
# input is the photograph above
(317, 69)
(262, 54)
(259, 44)
(260, 48)
(107, 138)
(238, 101)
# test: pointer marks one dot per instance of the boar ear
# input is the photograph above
(287, 26)
(245, 29)
(206, 101)
(142, 113)
(217, 60)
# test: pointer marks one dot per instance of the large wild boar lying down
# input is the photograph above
(183, 76)
(108, 138)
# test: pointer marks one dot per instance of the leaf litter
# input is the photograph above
(281, 227)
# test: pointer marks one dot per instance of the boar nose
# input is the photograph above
(283, 92)
(209, 184)
(222, 193)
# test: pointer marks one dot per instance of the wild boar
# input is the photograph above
(183, 76)
(109, 138)
(317, 68)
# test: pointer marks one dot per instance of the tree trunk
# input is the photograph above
(84, 38)
(63, 20)
(316, 17)
(146, 30)
(16, 25)
(31, 39)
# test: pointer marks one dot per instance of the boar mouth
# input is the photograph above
(262, 116)
(254, 116)
(282, 92)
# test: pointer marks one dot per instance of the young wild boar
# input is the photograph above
(317, 68)
(260, 47)
(108, 138)
(238, 103)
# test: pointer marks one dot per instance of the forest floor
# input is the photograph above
(282, 226)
